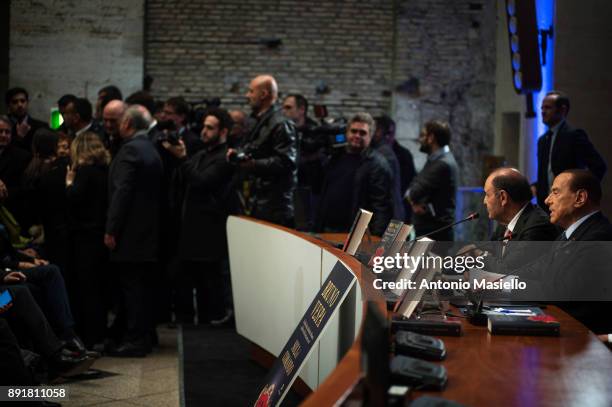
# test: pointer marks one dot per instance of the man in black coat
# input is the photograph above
(24, 126)
(268, 158)
(507, 199)
(575, 272)
(132, 226)
(563, 147)
(13, 162)
(203, 239)
(358, 177)
(432, 192)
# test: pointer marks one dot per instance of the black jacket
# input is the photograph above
(207, 177)
(273, 146)
(13, 162)
(371, 190)
(26, 142)
(532, 226)
(571, 149)
(435, 186)
(88, 199)
(134, 193)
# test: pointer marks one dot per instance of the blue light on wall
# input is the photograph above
(545, 11)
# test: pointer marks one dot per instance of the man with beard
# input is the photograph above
(267, 159)
(432, 192)
(24, 126)
(202, 240)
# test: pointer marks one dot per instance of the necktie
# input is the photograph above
(548, 150)
(507, 238)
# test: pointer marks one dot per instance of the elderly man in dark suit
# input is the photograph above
(575, 271)
(507, 199)
(563, 147)
(432, 192)
(132, 227)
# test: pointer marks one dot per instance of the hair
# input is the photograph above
(363, 117)
(44, 147)
(440, 130)
(83, 108)
(5, 119)
(88, 149)
(585, 179)
(561, 100)
(385, 124)
(12, 92)
(300, 101)
(61, 136)
(514, 183)
(111, 93)
(225, 120)
(65, 100)
(179, 105)
(139, 119)
(142, 98)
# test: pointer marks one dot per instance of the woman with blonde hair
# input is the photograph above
(86, 193)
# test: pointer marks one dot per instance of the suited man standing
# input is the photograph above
(562, 147)
(432, 192)
(132, 226)
(23, 125)
(202, 238)
(507, 199)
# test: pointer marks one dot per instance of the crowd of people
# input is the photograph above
(121, 210)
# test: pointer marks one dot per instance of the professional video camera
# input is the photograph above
(329, 135)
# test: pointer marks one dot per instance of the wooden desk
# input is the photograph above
(574, 369)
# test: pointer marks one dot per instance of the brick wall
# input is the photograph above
(205, 48)
(362, 51)
(71, 46)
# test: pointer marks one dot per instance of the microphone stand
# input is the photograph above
(470, 217)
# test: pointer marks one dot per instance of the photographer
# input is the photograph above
(267, 159)
(202, 239)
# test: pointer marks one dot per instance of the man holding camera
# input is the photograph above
(267, 159)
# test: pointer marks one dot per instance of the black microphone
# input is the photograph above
(471, 216)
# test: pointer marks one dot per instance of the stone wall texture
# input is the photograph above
(72, 46)
(417, 59)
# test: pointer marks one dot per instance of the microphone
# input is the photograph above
(471, 216)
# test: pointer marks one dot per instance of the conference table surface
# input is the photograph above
(574, 369)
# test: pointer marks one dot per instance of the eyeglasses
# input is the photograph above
(7, 131)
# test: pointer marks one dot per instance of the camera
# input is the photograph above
(327, 136)
(238, 157)
(168, 132)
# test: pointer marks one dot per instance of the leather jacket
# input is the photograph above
(272, 144)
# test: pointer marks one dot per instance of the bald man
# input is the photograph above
(111, 115)
(267, 158)
(508, 201)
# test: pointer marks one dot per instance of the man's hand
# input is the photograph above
(247, 164)
(178, 150)
(419, 209)
(14, 277)
(70, 173)
(230, 152)
(41, 262)
(3, 191)
(24, 265)
(109, 241)
(22, 129)
(29, 252)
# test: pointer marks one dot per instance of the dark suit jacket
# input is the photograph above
(26, 142)
(13, 162)
(134, 200)
(579, 270)
(207, 177)
(436, 184)
(571, 149)
(532, 225)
